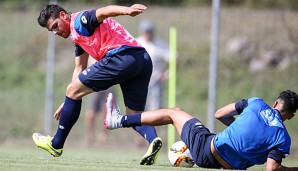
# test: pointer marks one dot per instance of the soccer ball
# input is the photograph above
(179, 155)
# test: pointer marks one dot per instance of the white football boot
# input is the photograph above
(113, 114)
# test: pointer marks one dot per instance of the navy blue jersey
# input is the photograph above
(257, 134)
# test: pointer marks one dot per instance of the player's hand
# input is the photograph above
(136, 9)
(58, 112)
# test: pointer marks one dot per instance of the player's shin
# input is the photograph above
(148, 132)
(69, 116)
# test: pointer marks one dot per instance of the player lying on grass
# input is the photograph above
(120, 60)
(258, 135)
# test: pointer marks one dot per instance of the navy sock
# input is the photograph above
(131, 120)
(69, 116)
(148, 132)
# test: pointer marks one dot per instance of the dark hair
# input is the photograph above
(290, 100)
(50, 11)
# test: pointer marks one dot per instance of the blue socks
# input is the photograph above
(69, 116)
(131, 120)
(148, 132)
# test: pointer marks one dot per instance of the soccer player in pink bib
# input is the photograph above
(120, 60)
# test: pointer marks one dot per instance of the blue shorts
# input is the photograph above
(131, 68)
(198, 139)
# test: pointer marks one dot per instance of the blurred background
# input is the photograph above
(258, 56)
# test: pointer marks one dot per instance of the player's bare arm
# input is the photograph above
(226, 114)
(114, 10)
(272, 165)
(81, 63)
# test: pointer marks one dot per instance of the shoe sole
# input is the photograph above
(49, 152)
(150, 160)
(108, 113)
(39, 146)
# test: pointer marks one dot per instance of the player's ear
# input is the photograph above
(63, 15)
(275, 103)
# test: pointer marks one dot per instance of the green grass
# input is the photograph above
(76, 159)
(34, 159)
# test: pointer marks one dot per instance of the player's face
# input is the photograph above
(60, 26)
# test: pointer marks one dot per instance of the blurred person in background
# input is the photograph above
(257, 136)
(120, 59)
(159, 53)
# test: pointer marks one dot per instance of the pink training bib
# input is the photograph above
(108, 35)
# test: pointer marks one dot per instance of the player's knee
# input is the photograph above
(176, 109)
(76, 90)
(72, 91)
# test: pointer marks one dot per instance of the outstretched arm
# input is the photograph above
(114, 10)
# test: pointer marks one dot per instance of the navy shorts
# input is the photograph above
(198, 139)
(131, 68)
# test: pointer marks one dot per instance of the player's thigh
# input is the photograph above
(119, 68)
(101, 75)
(135, 93)
(197, 138)
(179, 118)
(135, 87)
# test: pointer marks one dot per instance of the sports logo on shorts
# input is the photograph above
(199, 124)
(85, 72)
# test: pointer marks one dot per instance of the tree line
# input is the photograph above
(272, 4)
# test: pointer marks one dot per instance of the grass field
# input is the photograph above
(34, 159)
(74, 159)
(23, 65)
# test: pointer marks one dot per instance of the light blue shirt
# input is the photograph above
(258, 130)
